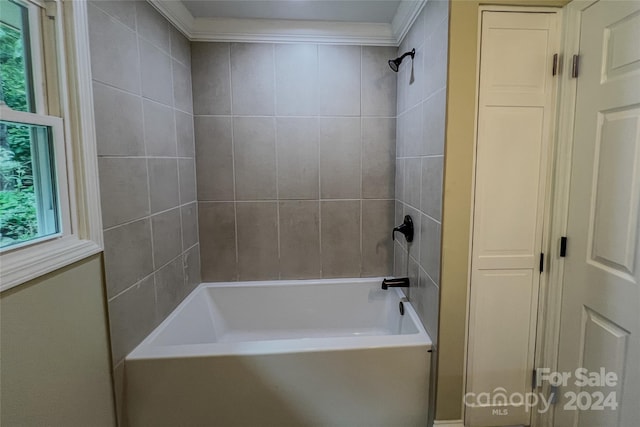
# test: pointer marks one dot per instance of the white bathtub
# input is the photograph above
(285, 353)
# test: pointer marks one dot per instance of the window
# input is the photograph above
(29, 207)
(49, 213)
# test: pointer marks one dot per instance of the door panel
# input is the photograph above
(600, 320)
(516, 53)
(603, 344)
(509, 160)
(515, 127)
(617, 191)
(493, 367)
(621, 47)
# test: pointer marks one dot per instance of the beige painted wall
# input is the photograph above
(54, 350)
(461, 99)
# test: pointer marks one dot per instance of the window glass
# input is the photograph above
(28, 196)
(16, 89)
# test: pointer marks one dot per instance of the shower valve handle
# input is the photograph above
(405, 228)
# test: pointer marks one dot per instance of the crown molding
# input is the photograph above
(287, 31)
(405, 16)
(290, 31)
(176, 13)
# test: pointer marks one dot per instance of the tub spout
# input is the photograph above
(396, 282)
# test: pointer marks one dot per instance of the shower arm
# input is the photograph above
(412, 52)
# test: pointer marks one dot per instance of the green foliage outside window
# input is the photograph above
(18, 219)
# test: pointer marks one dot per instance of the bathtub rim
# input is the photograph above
(146, 350)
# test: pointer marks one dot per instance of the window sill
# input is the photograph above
(29, 263)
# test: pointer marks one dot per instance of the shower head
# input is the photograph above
(394, 64)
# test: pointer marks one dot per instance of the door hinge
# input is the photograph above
(51, 9)
(541, 262)
(554, 392)
(553, 389)
(563, 246)
(575, 64)
(554, 70)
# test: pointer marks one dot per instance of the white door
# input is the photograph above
(600, 321)
(515, 127)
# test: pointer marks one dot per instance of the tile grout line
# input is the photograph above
(280, 116)
(178, 168)
(138, 282)
(175, 133)
(150, 215)
(146, 217)
(361, 156)
(157, 46)
(420, 203)
(319, 151)
(146, 152)
(115, 156)
(141, 96)
(233, 166)
(398, 168)
(115, 18)
(285, 200)
(275, 143)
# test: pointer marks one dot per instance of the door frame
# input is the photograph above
(551, 183)
(551, 299)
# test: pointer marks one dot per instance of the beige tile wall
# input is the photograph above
(141, 70)
(419, 157)
(419, 165)
(295, 151)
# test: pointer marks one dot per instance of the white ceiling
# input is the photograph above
(375, 11)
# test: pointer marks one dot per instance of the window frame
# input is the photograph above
(63, 101)
(56, 125)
